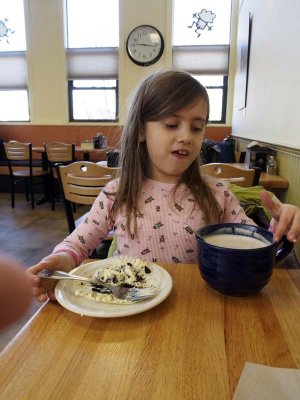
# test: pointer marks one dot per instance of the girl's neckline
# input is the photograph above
(161, 185)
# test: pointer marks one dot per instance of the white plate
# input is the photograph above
(65, 294)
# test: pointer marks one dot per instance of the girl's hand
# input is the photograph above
(43, 289)
(286, 215)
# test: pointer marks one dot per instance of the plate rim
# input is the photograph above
(140, 306)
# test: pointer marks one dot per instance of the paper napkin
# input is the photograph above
(259, 382)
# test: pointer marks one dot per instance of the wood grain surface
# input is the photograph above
(192, 346)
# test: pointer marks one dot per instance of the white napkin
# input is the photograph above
(259, 382)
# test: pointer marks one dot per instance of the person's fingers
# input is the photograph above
(286, 215)
(42, 298)
(294, 231)
(284, 223)
(273, 205)
(51, 295)
(40, 286)
(44, 264)
(42, 295)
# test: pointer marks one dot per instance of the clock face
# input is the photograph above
(145, 45)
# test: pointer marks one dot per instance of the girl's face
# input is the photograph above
(174, 142)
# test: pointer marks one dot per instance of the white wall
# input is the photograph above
(273, 102)
(47, 60)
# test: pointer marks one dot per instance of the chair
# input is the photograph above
(62, 153)
(17, 154)
(218, 151)
(232, 173)
(240, 156)
(81, 182)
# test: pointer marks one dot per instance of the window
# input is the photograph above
(216, 86)
(92, 56)
(94, 100)
(13, 68)
(201, 36)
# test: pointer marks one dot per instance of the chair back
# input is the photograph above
(81, 182)
(232, 173)
(60, 152)
(17, 151)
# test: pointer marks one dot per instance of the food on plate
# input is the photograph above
(119, 271)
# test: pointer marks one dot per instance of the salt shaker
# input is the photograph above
(271, 166)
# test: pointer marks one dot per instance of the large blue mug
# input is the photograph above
(238, 259)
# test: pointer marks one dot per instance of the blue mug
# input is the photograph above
(238, 259)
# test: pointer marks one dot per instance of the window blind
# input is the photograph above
(93, 63)
(204, 59)
(13, 70)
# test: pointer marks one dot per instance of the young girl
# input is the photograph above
(160, 198)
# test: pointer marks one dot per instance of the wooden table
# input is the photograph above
(272, 181)
(267, 180)
(192, 346)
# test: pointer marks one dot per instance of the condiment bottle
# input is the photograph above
(271, 166)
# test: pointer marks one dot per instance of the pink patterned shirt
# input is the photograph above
(165, 228)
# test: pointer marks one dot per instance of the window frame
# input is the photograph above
(70, 102)
(224, 88)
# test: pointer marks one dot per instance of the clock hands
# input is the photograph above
(145, 44)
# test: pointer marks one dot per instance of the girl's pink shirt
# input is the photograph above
(165, 227)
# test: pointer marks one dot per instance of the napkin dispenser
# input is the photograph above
(100, 141)
(86, 144)
(257, 156)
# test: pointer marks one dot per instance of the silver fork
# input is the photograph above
(121, 292)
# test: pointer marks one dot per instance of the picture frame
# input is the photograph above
(244, 58)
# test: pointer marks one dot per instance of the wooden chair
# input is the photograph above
(18, 153)
(232, 173)
(81, 182)
(62, 153)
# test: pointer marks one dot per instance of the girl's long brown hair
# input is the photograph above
(157, 97)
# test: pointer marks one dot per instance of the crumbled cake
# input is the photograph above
(120, 271)
(124, 271)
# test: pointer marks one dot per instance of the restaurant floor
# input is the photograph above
(29, 235)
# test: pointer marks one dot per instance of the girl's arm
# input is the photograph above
(90, 233)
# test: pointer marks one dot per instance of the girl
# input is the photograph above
(160, 198)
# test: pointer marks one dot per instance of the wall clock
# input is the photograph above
(145, 45)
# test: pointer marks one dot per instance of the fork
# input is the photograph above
(121, 292)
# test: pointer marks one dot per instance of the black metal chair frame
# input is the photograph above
(25, 175)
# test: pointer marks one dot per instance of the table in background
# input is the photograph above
(86, 152)
(192, 346)
(267, 180)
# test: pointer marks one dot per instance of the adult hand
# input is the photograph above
(15, 291)
(43, 289)
(286, 215)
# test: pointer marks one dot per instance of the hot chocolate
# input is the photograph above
(232, 241)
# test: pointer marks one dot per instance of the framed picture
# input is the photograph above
(244, 56)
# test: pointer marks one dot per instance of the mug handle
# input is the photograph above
(283, 248)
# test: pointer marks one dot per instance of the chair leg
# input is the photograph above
(31, 192)
(27, 189)
(53, 193)
(12, 193)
